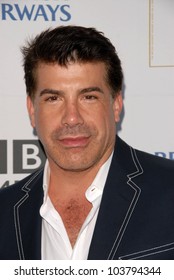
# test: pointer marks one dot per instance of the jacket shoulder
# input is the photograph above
(128, 155)
(25, 184)
(155, 161)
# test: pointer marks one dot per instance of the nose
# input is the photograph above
(72, 116)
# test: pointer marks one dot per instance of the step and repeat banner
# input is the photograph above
(143, 34)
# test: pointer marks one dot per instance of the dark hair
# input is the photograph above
(71, 43)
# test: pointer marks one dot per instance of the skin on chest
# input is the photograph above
(73, 214)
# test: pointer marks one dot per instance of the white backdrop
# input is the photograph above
(143, 34)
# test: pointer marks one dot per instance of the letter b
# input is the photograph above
(27, 156)
(30, 156)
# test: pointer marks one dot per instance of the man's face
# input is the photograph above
(74, 114)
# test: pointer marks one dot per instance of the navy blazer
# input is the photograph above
(135, 220)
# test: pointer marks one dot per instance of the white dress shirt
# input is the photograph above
(55, 241)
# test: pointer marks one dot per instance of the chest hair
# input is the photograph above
(73, 214)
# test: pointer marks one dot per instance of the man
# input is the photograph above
(97, 197)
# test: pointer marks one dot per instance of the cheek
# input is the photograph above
(105, 121)
(110, 126)
(42, 123)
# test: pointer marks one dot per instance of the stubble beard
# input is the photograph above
(74, 159)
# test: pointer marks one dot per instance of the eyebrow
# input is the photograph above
(50, 91)
(91, 89)
(83, 91)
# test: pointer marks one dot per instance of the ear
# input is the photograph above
(30, 108)
(117, 106)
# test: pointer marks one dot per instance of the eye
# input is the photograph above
(90, 97)
(51, 98)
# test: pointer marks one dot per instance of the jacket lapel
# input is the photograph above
(27, 218)
(118, 202)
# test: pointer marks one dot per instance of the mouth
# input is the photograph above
(75, 142)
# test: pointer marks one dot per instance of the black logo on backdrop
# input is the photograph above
(20, 157)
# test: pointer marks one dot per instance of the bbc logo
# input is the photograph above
(26, 157)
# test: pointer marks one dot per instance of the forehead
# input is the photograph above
(47, 72)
